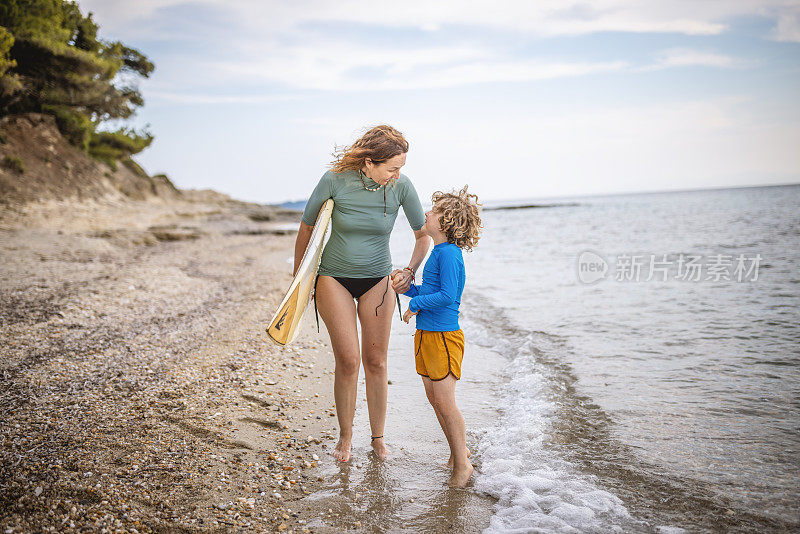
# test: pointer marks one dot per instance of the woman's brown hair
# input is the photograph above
(459, 217)
(378, 144)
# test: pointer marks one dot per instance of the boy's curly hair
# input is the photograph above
(460, 217)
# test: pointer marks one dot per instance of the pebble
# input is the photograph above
(130, 397)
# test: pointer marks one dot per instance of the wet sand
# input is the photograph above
(409, 492)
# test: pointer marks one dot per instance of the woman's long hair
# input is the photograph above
(378, 144)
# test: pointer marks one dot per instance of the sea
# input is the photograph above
(632, 365)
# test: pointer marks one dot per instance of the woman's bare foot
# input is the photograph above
(342, 450)
(460, 475)
(379, 446)
(450, 460)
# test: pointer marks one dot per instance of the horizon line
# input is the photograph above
(616, 193)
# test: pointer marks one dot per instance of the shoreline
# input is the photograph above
(140, 392)
(408, 492)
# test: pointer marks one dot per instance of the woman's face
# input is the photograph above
(389, 170)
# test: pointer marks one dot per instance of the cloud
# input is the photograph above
(685, 57)
(302, 44)
(544, 18)
(189, 98)
(788, 27)
(342, 66)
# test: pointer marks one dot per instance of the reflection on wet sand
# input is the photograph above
(408, 492)
(399, 494)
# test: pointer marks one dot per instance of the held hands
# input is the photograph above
(402, 280)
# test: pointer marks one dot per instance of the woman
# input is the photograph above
(353, 283)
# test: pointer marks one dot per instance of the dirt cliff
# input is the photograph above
(38, 164)
(45, 178)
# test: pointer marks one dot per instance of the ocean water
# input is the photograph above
(602, 398)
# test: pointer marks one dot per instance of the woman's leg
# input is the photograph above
(374, 347)
(337, 309)
(444, 394)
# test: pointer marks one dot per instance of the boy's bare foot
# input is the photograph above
(460, 475)
(342, 450)
(450, 460)
(379, 446)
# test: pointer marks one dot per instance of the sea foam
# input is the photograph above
(536, 490)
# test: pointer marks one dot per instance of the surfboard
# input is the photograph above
(287, 319)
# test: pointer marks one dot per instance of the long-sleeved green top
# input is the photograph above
(359, 243)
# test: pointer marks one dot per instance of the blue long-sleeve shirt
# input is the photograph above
(439, 296)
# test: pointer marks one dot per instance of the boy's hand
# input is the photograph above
(408, 315)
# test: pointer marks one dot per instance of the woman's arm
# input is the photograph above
(322, 192)
(416, 219)
(421, 246)
(300, 244)
(402, 280)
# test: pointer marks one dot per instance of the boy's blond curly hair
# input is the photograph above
(459, 217)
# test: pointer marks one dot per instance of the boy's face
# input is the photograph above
(432, 224)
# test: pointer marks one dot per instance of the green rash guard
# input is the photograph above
(359, 242)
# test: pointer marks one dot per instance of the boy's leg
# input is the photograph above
(428, 383)
(445, 401)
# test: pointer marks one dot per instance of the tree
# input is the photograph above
(51, 61)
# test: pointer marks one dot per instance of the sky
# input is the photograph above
(518, 99)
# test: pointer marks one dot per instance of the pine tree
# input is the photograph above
(51, 61)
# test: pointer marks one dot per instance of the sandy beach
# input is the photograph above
(139, 391)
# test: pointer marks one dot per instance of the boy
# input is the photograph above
(454, 224)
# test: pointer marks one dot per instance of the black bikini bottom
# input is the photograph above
(357, 287)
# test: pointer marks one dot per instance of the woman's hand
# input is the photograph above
(408, 315)
(401, 280)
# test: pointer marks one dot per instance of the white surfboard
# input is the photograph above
(286, 322)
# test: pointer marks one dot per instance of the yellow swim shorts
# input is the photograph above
(439, 353)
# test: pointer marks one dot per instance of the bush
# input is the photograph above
(13, 163)
(105, 154)
(77, 128)
(134, 167)
(109, 147)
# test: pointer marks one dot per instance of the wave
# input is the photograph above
(535, 488)
(552, 461)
